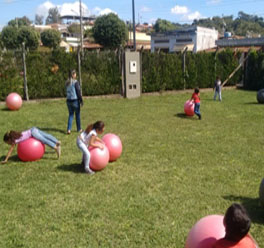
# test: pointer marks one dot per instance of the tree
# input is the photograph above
(9, 37)
(110, 31)
(74, 28)
(19, 22)
(51, 38)
(163, 26)
(28, 35)
(53, 16)
(39, 19)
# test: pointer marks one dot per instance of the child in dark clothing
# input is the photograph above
(237, 225)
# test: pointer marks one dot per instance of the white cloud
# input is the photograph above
(64, 9)
(145, 9)
(213, 2)
(194, 15)
(186, 14)
(73, 9)
(43, 9)
(179, 10)
(98, 11)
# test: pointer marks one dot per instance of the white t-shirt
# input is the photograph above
(87, 137)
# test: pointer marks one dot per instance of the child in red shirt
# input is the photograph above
(237, 225)
(196, 99)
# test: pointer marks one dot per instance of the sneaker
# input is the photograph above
(89, 171)
(69, 132)
(80, 131)
(200, 117)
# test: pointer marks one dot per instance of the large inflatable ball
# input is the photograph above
(114, 146)
(205, 232)
(189, 108)
(261, 192)
(30, 150)
(14, 101)
(99, 158)
(260, 96)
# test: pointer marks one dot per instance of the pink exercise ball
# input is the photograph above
(14, 101)
(30, 150)
(114, 146)
(99, 158)
(189, 108)
(205, 232)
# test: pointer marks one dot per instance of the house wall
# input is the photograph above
(201, 38)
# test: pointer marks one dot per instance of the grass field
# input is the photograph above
(173, 171)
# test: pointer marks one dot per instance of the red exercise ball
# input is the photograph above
(30, 150)
(205, 232)
(99, 158)
(189, 108)
(14, 101)
(114, 146)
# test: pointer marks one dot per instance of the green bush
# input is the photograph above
(255, 71)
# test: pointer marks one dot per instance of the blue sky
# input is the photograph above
(182, 11)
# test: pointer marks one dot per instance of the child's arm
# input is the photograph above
(94, 144)
(99, 140)
(9, 153)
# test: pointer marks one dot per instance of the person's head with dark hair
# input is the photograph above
(11, 136)
(196, 90)
(97, 126)
(237, 222)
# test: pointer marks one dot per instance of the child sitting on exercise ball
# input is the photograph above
(237, 225)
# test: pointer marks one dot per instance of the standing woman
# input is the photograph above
(74, 100)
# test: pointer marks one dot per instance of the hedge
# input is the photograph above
(47, 71)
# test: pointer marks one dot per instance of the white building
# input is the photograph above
(194, 38)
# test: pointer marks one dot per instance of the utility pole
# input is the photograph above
(81, 27)
(134, 25)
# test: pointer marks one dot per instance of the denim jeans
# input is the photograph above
(43, 137)
(86, 154)
(219, 95)
(197, 109)
(74, 107)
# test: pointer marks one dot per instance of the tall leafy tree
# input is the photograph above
(164, 25)
(53, 16)
(29, 36)
(110, 31)
(9, 37)
(51, 38)
(18, 22)
(39, 19)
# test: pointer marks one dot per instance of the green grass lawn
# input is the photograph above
(173, 171)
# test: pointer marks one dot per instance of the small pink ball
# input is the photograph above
(30, 150)
(114, 146)
(14, 101)
(189, 108)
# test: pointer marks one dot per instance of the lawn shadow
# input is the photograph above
(47, 129)
(254, 209)
(13, 158)
(184, 116)
(253, 103)
(6, 109)
(76, 168)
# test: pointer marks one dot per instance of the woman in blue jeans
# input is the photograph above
(14, 137)
(74, 100)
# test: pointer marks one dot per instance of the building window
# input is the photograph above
(184, 40)
(161, 41)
